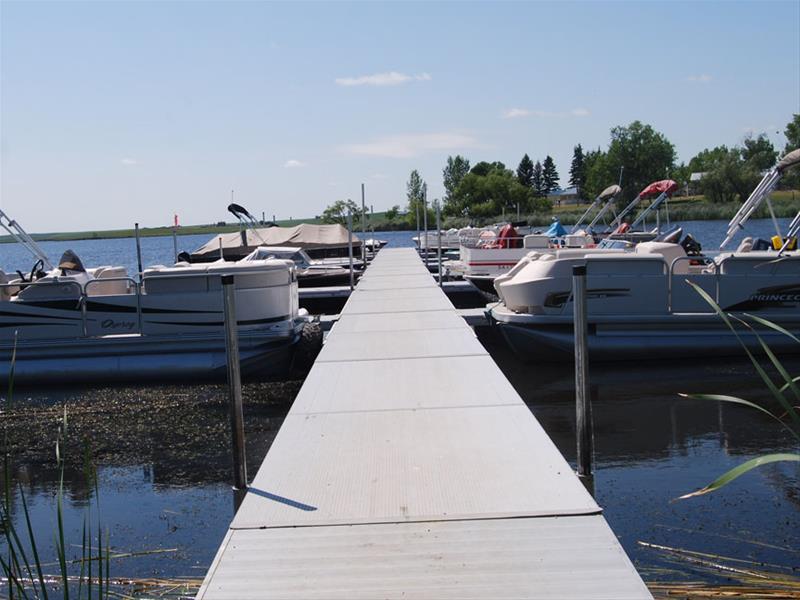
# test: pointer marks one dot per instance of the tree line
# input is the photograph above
(636, 156)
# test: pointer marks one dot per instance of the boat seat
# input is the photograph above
(6, 292)
(670, 252)
(100, 287)
(536, 241)
(746, 245)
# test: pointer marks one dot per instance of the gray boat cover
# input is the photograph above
(304, 235)
(790, 160)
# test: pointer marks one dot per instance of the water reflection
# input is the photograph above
(652, 446)
(164, 464)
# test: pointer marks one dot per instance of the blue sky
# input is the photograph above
(115, 112)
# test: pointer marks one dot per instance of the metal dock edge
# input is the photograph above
(408, 467)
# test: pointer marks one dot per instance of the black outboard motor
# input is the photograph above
(691, 246)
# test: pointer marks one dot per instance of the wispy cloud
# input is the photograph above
(704, 78)
(410, 145)
(382, 79)
(128, 162)
(293, 164)
(516, 113)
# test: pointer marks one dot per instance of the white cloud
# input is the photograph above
(516, 113)
(704, 78)
(293, 164)
(129, 162)
(410, 145)
(382, 79)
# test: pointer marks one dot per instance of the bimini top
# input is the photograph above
(304, 236)
(665, 186)
(790, 160)
(609, 192)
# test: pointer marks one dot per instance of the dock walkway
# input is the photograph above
(408, 467)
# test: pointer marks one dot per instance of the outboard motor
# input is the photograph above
(691, 246)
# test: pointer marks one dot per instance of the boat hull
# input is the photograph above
(669, 337)
(145, 359)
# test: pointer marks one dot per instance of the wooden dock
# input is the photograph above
(408, 467)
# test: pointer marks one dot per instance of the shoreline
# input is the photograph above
(786, 204)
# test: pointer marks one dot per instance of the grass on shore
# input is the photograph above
(685, 208)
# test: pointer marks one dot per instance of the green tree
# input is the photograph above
(337, 212)
(792, 133)
(538, 181)
(759, 152)
(595, 173)
(791, 179)
(577, 170)
(706, 159)
(645, 154)
(392, 213)
(487, 190)
(453, 173)
(730, 178)
(525, 171)
(415, 192)
(549, 175)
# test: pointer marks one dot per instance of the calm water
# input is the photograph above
(159, 250)
(163, 460)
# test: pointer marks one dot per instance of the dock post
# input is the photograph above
(439, 239)
(234, 391)
(583, 405)
(363, 227)
(419, 235)
(350, 247)
(138, 251)
(175, 242)
(425, 224)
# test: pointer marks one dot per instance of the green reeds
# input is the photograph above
(786, 393)
(26, 578)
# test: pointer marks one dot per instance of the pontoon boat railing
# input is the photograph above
(137, 289)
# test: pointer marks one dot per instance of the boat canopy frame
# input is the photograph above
(16, 231)
(759, 194)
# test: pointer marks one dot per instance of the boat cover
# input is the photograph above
(556, 229)
(665, 186)
(610, 191)
(304, 235)
(790, 160)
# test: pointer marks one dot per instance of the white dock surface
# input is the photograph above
(408, 467)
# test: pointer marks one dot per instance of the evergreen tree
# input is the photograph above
(549, 175)
(577, 171)
(416, 189)
(453, 173)
(538, 181)
(525, 171)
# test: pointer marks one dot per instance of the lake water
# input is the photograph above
(164, 463)
(159, 250)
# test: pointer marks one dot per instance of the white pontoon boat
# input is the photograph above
(639, 303)
(69, 323)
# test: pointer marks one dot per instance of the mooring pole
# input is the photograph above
(439, 239)
(583, 405)
(175, 242)
(350, 247)
(419, 235)
(138, 251)
(363, 228)
(234, 391)
(425, 221)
